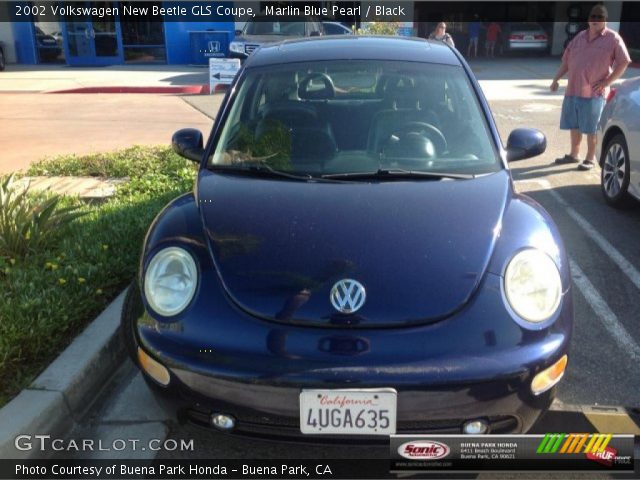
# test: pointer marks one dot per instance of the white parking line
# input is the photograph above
(600, 307)
(613, 253)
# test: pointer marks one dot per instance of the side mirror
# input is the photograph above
(238, 32)
(188, 143)
(525, 143)
(315, 33)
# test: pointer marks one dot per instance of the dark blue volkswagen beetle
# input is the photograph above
(353, 261)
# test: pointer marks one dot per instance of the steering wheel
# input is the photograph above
(329, 90)
(427, 130)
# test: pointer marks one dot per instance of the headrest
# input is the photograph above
(393, 84)
(281, 86)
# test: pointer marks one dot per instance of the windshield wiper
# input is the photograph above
(393, 173)
(261, 169)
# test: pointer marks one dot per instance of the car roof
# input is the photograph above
(353, 47)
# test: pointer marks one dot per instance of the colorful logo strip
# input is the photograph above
(574, 443)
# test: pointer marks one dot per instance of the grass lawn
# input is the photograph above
(50, 295)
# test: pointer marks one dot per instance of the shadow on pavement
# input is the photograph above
(541, 171)
(188, 79)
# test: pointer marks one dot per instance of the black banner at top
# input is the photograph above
(373, 11)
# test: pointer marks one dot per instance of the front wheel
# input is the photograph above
(2, 61)
(616, 172)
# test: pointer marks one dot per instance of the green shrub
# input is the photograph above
(30, 222)
(379, 28)
(131, 162)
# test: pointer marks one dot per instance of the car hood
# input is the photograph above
(419, 248)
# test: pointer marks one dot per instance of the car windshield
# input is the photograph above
(329, 118)
(274, 28)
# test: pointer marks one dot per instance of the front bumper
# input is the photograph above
(256, 372)
(272, 411)
(528, 46)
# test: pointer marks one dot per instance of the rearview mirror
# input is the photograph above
(188, 143)
(525, 143)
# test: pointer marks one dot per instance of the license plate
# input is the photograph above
(348, 412)
(528, 37)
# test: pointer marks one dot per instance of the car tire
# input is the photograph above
(132, 309)
(2, 61)
(616, 172)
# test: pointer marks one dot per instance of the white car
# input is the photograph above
(619, 144)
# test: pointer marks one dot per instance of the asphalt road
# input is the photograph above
(605, 253)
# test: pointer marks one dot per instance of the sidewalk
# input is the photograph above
(504, 78)
(53, 78)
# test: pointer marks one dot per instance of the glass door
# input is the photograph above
(94, 40)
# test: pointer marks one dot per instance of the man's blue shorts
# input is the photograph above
(582, 114)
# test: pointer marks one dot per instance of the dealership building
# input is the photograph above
(31, 34)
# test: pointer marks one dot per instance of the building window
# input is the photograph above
(143, 38)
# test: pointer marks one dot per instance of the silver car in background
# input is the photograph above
(526, 37)
(619, 144)
(263, 30)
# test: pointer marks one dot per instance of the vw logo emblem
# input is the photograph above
(348, 296)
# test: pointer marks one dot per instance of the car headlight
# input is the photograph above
(236, 47)
(532, 285)
(170, 281)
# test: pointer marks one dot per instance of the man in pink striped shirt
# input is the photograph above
(594, 59)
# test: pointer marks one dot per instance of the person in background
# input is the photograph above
(493, 31)
(440, 34)
(594, 59)
(474, 35)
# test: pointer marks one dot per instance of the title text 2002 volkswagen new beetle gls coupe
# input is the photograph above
(353, 259)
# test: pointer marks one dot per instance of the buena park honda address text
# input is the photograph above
(173, 470)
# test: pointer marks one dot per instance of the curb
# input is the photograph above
(56, 400)
(174, 90)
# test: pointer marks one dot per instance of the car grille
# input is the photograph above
(249, 49)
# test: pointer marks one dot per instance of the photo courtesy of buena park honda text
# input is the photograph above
(319, 239)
